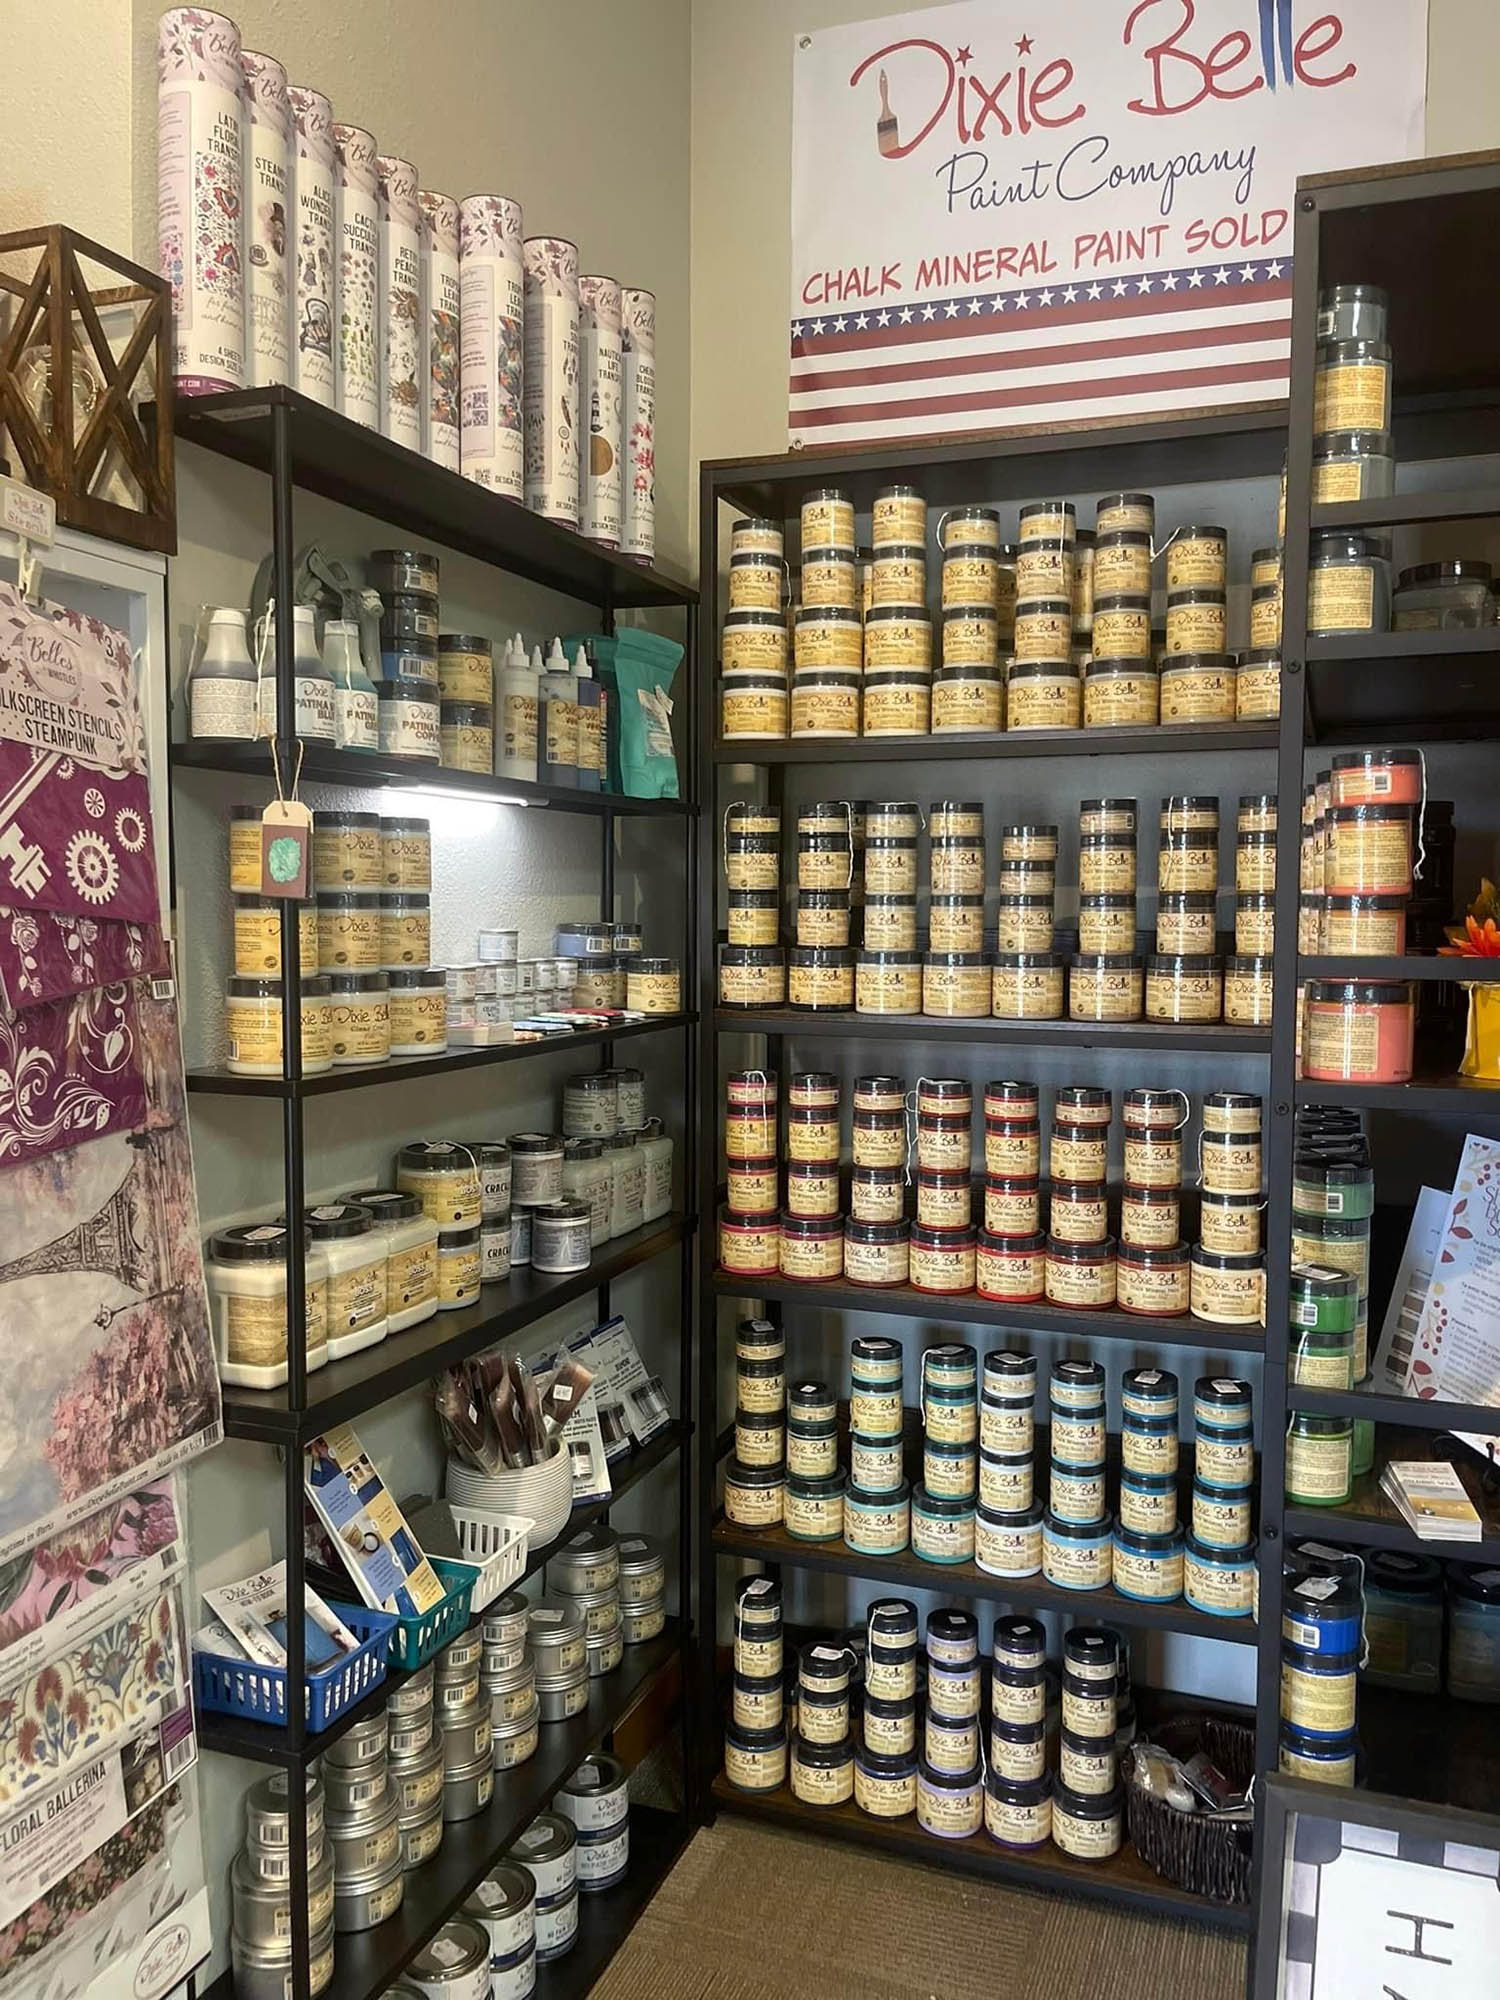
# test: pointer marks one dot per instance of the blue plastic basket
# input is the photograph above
(245, 1688)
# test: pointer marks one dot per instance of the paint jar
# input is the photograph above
(1153, 1280)
(967, 698)
(1219, 1581)
(1043, 694)
(1318, 1692)
(754, 708)
(813, 1133)
(1149, 1445)
(942, 1260)
(1109, 987)
(1227, 1287)
(825, 703)
(1183, 989)
(1358, 1031)
(1319, 1460)
(1122, 626)
(812, 1247)
(897, 574)
(1443, 597)
(900, 635)
(750, 1245)
(1027, 986)
(942, 1531)
(1149, 1217)
(887, 982)
(753, 1495)
(828, 634)
(1011, 1269)
(1257, 685)
(752, 977)
(1080, 1275)
(1024, 925)
(1230, 1162)
(890, 865)
(1369, 850)
(252, 1020)
(1026, 878)
(956, 923)
(1187, 862)
(1012, 1204)
(418, 1009)
(1120, 694)
(1248, 991)
(890, 923)
(955, 985)
(1198, 687)
(1223, 1516)
(1106, 924)
(1197, 559)
(1255, 924)
(1265, 620)
(753, 861)
(1077, 1555)
(1122, 563)
(1352, 386)
(1348, 585)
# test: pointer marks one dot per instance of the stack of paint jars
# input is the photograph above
(363, 1827)
(755, 1741)
(878, 1510)
(1247, 973)
(753, 646)
(597, 1800)
(507, 1676)
(1197, 674)
(950, 1775)
(750, 1220)
(415, 1762)
(979, 622)
(898, 632)
(1080, 1270)
(1152, 1274)
(955, 971)
(1011, 1252)
(1187, 985)
(1043, 690)
(883, 875)
(1148, 1543)
(1322, 1643)
(260, 1943)
(585, 1573)
(1087, 1808)
(942, 1507)
(1333, 1202)
(827, 649)
(1018, 1790)
(760, 1411)
(504, 1905)
(822, 1749)
(812, 1228)
(943, 1231)
(1228, 1267)
(548, 1851)
(1348, 587)
(1008, 1518)
(1219, 1570)
(1076, 1531)
(820, 968)
(814, 1507)
(752, 965)
(1105, 984)
(885, 1760)
(464, 1718)
(1027, 980)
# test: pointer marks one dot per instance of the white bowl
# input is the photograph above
(544, 1492)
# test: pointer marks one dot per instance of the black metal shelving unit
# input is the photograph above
(1400, 228)
(1412, 230)
(304, 447)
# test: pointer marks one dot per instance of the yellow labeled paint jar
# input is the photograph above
(897, 703)
(752, 976)
(1122, 563)
(898, 635)
(753, 642)
(257, 936)
(1197, 622)
(828, 580)
(825, 703)
(1228, 1288)
(888, 982)
(1027, 986)
(971, 636)
(898, 575)
(1247, 991)
(955, 984)
(1198, 687)
(1257, 685)
(1183, 989)
(1122, 627)
(828, 635)
(970, 575)
(1265, 618)
(1106, 924)
(1107, 987)
(1120, 694)
(754, 708)
(890, 923)
(1043, 694)
(1197, 559)
(967, 698)
(1044, 628)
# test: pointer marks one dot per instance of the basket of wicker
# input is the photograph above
(1192, 1846)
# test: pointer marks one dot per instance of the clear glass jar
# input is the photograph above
(1443, 597)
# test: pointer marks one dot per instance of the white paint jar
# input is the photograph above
(492, 294)
(402, 325)
(439, 379)
(357, 186)
(199, 172)
(601, 367)
(314, 225)
(267, 204)
(638, 416)
(550, 378)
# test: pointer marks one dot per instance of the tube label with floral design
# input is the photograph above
(315, 212)
(401, 318)
(440, 378)
(266, 202)
(358, 275)
(638, 337)
(200, 134)
(550, 400)
(492, 279)
(600, 370)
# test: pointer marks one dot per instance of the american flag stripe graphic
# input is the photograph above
(1052, 353)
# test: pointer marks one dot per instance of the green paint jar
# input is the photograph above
(1319, 1460)
(1323, 1300)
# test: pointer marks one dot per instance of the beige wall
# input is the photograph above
(742, 132)
(72, 168)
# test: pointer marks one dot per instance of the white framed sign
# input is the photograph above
(1030, 214)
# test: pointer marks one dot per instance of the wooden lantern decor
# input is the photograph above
(84, 344)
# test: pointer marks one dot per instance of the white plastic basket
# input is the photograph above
(493, 1544)
(542, 1493)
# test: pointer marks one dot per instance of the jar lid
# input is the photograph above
(410, 978)
(1098, 899)
(1228, 1260)
(1183, 965)
(332, 1219)
(875, 1347)
(900, 614)
(1107, 961)
(1011, 1246)
(358, 982)
(1148, 1197)
(398, 688)
(1035, 670)
(242, 987)
(928, 1236)
(1062, 1252)
(1115, 538)
(878, 959)
(1478, 1582)
(751, 954)
(387, 1205)
(1330, 547)
(250, 1243)
(1359, 993)
(755, 843)
(1161, 1256)
(1078, 1531)
(741, 619)
(1331, 352)
(1209, 1553)
(958, 961)
(875, 1232)
(1075, 1375)
(1027, 961)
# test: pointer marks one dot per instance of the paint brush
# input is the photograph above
(887, 133)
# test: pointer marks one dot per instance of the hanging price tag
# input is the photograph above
(286, 840)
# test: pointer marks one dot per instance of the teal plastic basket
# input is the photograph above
(415, 1640)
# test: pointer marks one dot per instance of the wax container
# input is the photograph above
(314, 285)
(551, 384)
(402, 328)
(201, 117)
(492, 303)
(359, 332)
(638, 414)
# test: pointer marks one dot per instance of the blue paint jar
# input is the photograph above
(1323, 1605)
(1327, 1760)
(1075, 1556)
(1076, 1385)
(1018, 1815)
(1148, 1502)
(1149, 1444)
(1148, 1392)
(1221, 1582)
(1148, 1567)
(942, 1531)
(1223, 1516)
(1077, 1492)
(877, 1524)
(1080, 1436)
(1221, 1402)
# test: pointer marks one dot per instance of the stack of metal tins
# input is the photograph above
(1008, 1519)
(1077, 1550)
(950, 1776)
(558, 1637)
(643, 1589)
(1087, 1805)
(597, 1800)
(877, 1511)
(363, 1821)
(1322, 1644)
(414, 1755)
(1148, 1555)
(455, 1964)
(1219, 1569)
(943, 1505)
(504, 1905)
(548, 1851)
(885, 1759)
(585, 1573)
(507, 1679)
(755, 1740)
(464, 1718)
(260, 1945)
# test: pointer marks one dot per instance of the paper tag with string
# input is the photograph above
(285, 838)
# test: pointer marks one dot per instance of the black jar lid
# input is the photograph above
(1183, 965)
(329, 1220)
(1061, 1252)
(359, 982)
(1027, 961)
(386, 1205)
(250, 1243)
(1158, 1256)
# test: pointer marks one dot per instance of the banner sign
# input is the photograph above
(1022, 214)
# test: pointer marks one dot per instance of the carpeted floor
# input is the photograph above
(753, 1913)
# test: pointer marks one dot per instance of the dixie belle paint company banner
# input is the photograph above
(1009, 212)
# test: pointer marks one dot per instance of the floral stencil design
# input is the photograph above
(91, 1883)
(89, 1697)
(78, 1563)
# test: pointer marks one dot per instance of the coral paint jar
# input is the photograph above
(1081, 1275)
(1358, 1030)
(750, 1245)
(1012, 1204)
(876, 1253)
(1152, 1280)
(1011, 1269)
(812, 1247)
(942, 1260)
(1376, 777)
